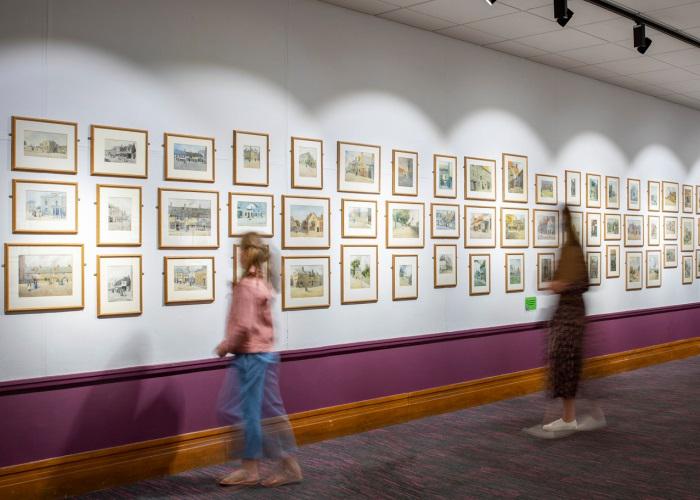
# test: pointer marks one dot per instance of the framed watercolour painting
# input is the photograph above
(670, 196)
(594, 268)
(593, 230)
(359, 218)
(687, 270)
(188, 280)
(307, 163)
(546, 189)
(119, 214)
(687, 234)
(479, 274)
(188, 219)
(653, 266)
(444, 176)
(359, 168)
(545, 270)
(593, 191)
(670, 255)
(697, 264)
(251, 151)
(670, 227)
(44, 277)
(654, 196)
(305, 222)
(118, 152)
(404, 173)
(40, 145)
(514, 228)
(189, 158)
(634, 230)
(305, 282)
(44, 207)
(404, 225)
(404, 282)
(444, 266)
(612, 254)
(479, 179)
(250, 212)
(119, 285)
(612, 192)
(697, 199)
(687, 199)
(573, 188)
(612, 225)
(633, 271)
(515, 272)
(359, 274)
(444, 219)
(634, 195)
(577, 226)
(653, 230)
(515, 179)
(479, 227)
(545, 228)
(238, 267)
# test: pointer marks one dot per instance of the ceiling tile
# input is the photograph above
(666, 76)
(556, 60)
(470, 35)
(614, 30)
(367, 6)
(405, 3)
(647, 5)
(684, 100)
(417, 19)
(605, 52)
(636, 65)
(515, 25)
(516, 49)
(462, 12)
(527, 4)
(584, 13)
(561, 40)
(594, 71)
(682, 86)
(681, 58)
(681, 16)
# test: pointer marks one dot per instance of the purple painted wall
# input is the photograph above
(56, 416)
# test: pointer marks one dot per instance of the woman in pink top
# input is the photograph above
(250, 337)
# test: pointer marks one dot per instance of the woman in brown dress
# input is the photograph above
(565, 350)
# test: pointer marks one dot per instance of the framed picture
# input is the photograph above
(359, 168)
(119, 215)
(612, 192)
(40, 145)
(404, 225)
(305, 282)
(634, 196)
(444, 176)
(515, 179)
(514, 228)
(593, 238)
(634, 230)
(687, 269)
(480, 179)
(404, 277)
(239, 270)
(119, 285)
(118, 152)
(653, 268)
(670, 227)
(307, 163)
(654, 196)
(444, 220)
(546, 189)
(687, 234)
(359, 274)
(633, 271)
(479, 227)
(44, 277)
(305, 222)
(515, 272)
(654, 230)
(444, 266)
(577, 225)
(44, 207)
(697, 263)
(479, 274)
(251, 152)
(189, 158)
(594, 268)
(593, 191)
(698, 232)
(359, 218)
(612, 261)
(404, 172)
(687, 199)
(188, 219)
(670, 255)
(250, 212)
(545, 270)
(612, 226)
(697, 199)
(573, 188)
(188, 280)
(545, 229)
(670, 196)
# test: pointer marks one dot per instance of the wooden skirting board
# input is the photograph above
(93, 470)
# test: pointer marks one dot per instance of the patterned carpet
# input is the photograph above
(650, 449)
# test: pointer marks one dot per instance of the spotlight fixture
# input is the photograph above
(562, 13)
(490, 2)
(641, 42)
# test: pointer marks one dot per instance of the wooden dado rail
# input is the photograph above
(108, 467)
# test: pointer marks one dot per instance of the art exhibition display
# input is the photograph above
(670, 196)
(612, 192)
(593, 231)
(444, 266)
(687, 275)
(546, 264)
(687, 199)
(188, 158)
(479, 227)
(305, 282)
(687, 235)
(359, 274)
(359, 218)
(119, 285)
(546, 189)
(239, 269)
(188, 218)
(593, 191)
(654, 231)
(653, 268)
(44, 277)
(119, 215)
(479, 179)
(633, 271)
(612, 259)
(594, 268)
(634, 230)
(251, 151)
(40, 145)
(653, 196)
(612, 227)
(118, 152)
(188, 280)
(307, 163)
(405, 224)
(444, 220)
(515, 272)
(305, 222)
(404, 282)
(404, 173)
(670, 256)
(250, 212)
(515, 178)
(359, 168)
(634, 198)
(444, 176)
(572, 181)
(545, 228)
(670, 227)
(515, 227)
(479, 274)
(44, 207)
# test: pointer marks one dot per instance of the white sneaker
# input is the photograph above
(560, 425)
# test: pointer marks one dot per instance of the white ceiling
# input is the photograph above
(596, 43)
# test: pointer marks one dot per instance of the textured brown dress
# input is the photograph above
(565, 349)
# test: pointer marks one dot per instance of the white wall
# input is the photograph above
(301, 67)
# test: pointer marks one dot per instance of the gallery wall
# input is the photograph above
(303, 68)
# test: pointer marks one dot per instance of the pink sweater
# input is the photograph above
(249, 325)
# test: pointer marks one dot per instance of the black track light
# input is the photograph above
(641, 42)
(562, 13)
(490, 2)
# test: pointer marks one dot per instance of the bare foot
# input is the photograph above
(288, 473)
(240, 477)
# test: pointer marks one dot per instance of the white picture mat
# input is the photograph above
(591, 220)
(69, 224)
(361, 187)
(469, 237)
(304, 302)
(610, 273)
(573, 182)
(670, 227)
(236, 228)
(101, 167)
(522, 214)
(653, 220)
(405, 291)
(307, 182)
(555, 194)
(476, 289)
(359, 294)
(191, 175)
(211, 241)
(408, 242)
(515, 258)
(687, 226)
(522, 163)
(546, 242)
(256, 176)
(632, 221)
(669, 188)
(687, 269)
(593, 180)
(444, 233)
(189, 295)
(630, 259)
(350, 232)
(446, 192)
(472, 194)
(659, 263)
(654, 188)
(445, 279)
(614, 202)
(121, 307)
(608, 235)
(406, 190)
(631, 184)
(304, 241)
(23, 161)
(108, 236)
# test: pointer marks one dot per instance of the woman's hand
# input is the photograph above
(221, 350)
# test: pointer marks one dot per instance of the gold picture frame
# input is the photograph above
(510, 190)
(373, 288)
(477, 289)
(214, 220)
(119, 287)
(125, 241)
(170, 164)
(44, 161)
(42, 207)
(412, 284)
(261, 142)
(437, 261)
(317, 181)
(397, 175)
(138, 137)
(291, 303)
